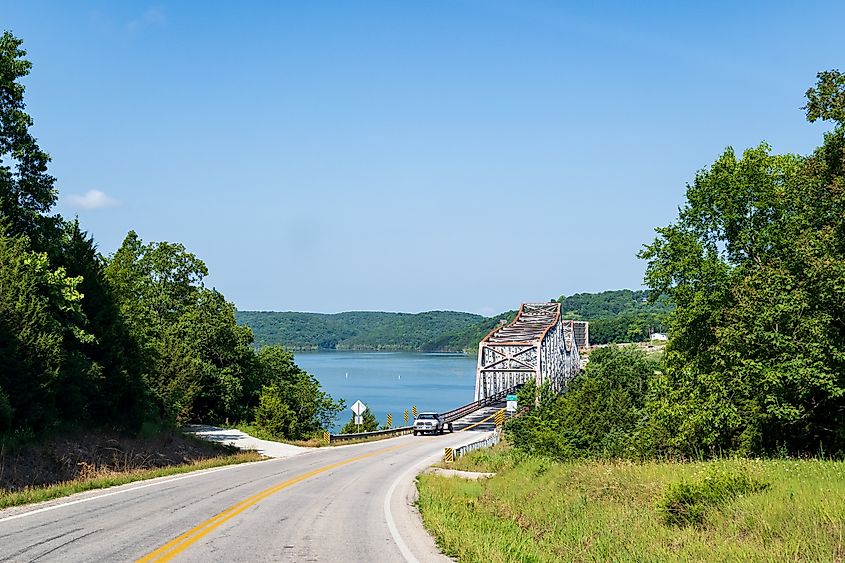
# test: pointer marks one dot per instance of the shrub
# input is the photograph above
(687, 502)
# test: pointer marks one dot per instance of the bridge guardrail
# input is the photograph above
(450, 416)
(358, 435)
(460, 412)
(488, 442)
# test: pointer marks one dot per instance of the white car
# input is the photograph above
(432, 423)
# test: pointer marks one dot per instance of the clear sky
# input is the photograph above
(409, 156)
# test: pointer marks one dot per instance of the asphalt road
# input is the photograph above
(346, 504)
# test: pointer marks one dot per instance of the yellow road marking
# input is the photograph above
(479, 422)
(179, 544)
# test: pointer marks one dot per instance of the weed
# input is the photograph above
(686, 502)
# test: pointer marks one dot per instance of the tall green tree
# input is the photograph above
(27, 191)
(755, 265)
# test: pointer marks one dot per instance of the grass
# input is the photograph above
(537, 510)
(112, 478)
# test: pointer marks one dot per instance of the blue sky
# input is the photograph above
(409, 156)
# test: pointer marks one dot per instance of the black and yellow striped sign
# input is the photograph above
(449, 455)
(500, 417)
(326, 437)
(414, 410)
(389, 420)
(406, 416)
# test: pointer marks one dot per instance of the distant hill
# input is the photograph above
(360, 330)
(615, 316)
(621, 315)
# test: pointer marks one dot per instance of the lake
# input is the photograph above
(390, 382)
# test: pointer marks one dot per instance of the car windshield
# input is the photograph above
(427, 416)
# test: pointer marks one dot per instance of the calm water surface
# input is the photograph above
(390, 382)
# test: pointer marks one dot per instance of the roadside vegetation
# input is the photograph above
(729, 444)
(536, 509)
(104, 478)
(134, 342)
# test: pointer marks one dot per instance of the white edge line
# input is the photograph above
(388, 514)
(128, 490)
(391, 524)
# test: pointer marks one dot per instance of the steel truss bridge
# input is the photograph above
(538, 345)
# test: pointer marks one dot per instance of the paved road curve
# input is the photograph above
(348, 503)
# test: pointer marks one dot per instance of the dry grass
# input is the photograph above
(92, 478)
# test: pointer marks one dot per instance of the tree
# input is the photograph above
(292, 404)
(755, 265)
(826, 100)
(369, 423)
(40, 319)
(27, 191)
(598, 416)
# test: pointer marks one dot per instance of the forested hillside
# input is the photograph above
(360, 330)
(615, 316)
(128, 341)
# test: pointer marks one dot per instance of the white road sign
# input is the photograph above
(358, 408)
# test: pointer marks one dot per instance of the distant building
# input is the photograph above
(659, 336)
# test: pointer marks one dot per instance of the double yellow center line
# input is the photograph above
(179, 544)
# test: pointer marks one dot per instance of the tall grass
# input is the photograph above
(537, 510)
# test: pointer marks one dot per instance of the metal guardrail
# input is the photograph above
(450, 416)
(377, 433)
(486, 443)
(461, 412)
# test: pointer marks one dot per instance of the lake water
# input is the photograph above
(391, 382)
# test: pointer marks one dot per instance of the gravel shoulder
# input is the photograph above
(243, 441)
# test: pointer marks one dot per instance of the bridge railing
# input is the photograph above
(488, 442)
(461, 412)
(374, 434)
(449, 416)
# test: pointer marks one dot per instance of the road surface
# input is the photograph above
(347, 504)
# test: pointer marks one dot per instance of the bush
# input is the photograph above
(273, 415)
(685, 503)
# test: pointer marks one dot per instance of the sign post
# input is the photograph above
(358, 408)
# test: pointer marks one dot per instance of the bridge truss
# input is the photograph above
(538, 345)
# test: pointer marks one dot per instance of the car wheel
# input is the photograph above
(450, 428)
(415, 432)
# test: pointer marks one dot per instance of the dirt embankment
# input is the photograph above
(85, 454)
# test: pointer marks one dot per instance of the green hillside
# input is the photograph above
(359, 330)
(615, 316)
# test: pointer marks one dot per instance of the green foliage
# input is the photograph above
(755, 265)
(357, 330)
(617, 316)
(826, 100)
(598, 417)
(687, 502)
(26, 189)
(369, 423)
(292, 404)
(40, 315)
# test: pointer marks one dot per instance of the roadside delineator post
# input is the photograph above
(406, 417)
(326, 437)
(500, 417)
(389, 420)
(414, 410)
(449, 455)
